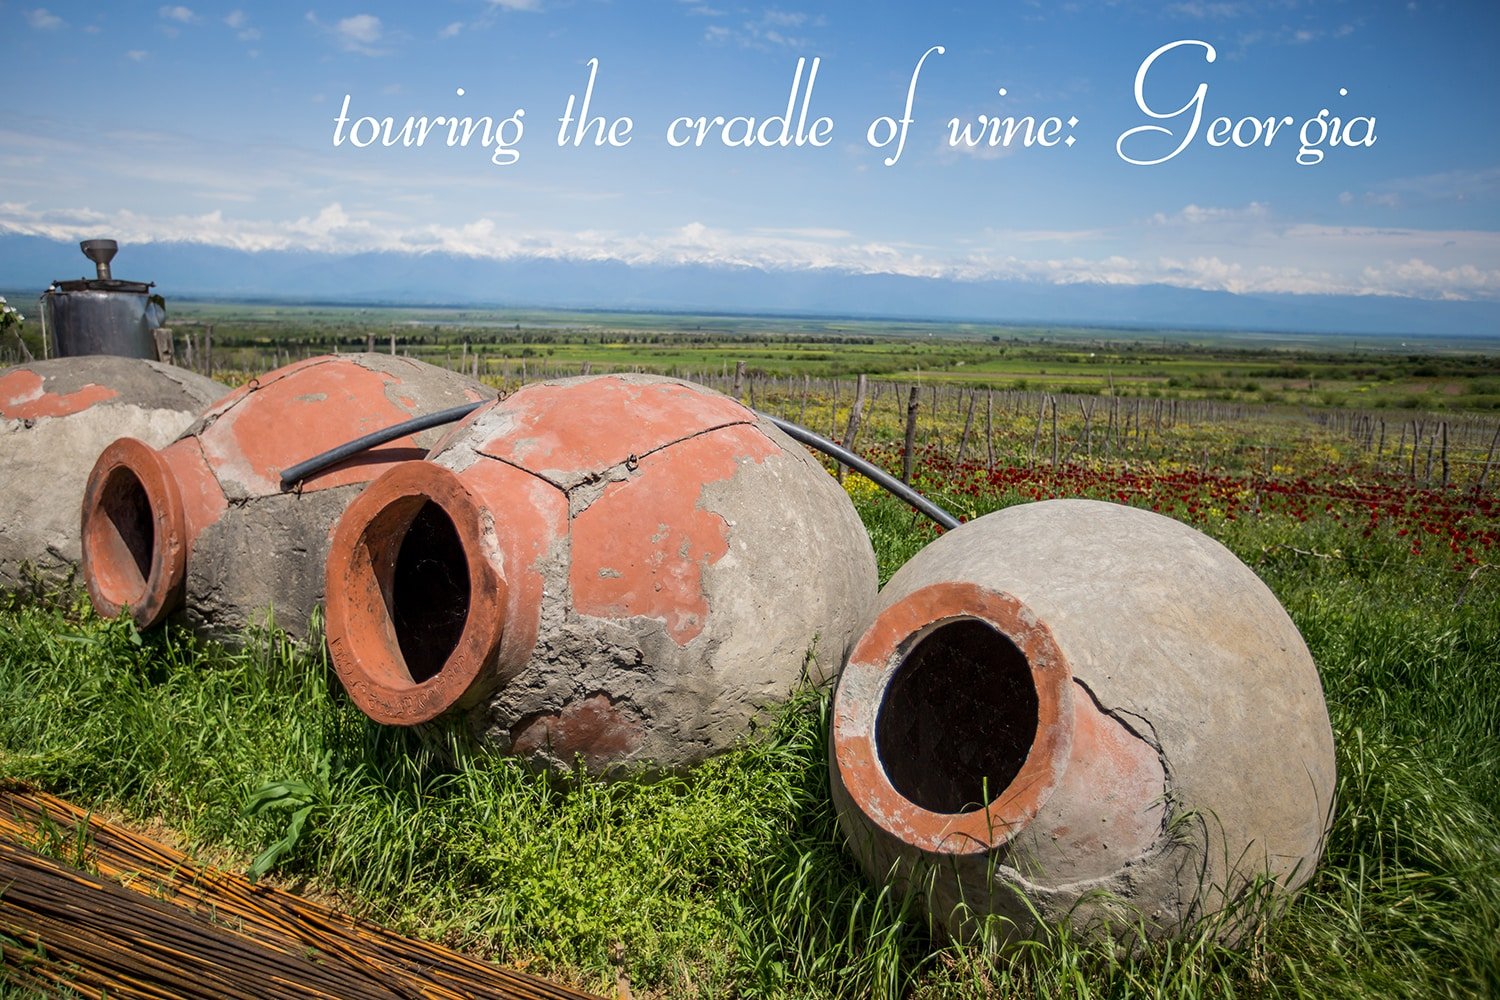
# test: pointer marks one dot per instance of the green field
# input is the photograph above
(1272, 368)
(1429, 374)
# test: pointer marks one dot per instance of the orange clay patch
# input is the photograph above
(530, 516)
(203, 501)
(303, 414)
(641, 548)
(593, 727)
(1112, 796)
(22, 397)
(564, 430)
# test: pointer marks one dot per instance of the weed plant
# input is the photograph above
(731, 880)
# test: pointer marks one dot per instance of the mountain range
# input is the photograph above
(196, 271)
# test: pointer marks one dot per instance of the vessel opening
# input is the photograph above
(958, 717)
(429, 592)
(126, 535)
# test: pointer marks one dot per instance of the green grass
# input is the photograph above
(731, 881)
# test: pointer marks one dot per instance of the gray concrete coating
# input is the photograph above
(1179, 643)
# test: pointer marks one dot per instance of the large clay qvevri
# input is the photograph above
(1079, 711)
(622, 569)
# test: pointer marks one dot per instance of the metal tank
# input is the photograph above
(101, 315)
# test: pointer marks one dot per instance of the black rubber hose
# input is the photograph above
(874, 473)
(296, 473)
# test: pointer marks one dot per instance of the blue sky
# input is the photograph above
(214, 123)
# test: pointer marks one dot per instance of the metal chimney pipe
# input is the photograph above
(101, 252)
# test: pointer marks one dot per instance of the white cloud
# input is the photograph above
(809, 232)
(1454, 185)
(239, 22)
(180, 14)
(1208, 11)
(1196, 215)
(362, 29)
(43, 19)
(1297, 259)
(785, 19)
(360, 33)
(517, 4)
(1285, 35)
(452, 30)
(769, 30)
(137, 55)
(1458, 283)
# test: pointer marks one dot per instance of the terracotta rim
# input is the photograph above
(862, 689)
(127, 474)
(360, 574)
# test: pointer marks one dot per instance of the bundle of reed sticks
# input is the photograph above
(146, 921)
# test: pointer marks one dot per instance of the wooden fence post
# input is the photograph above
(912, 403)
(1036, 432)
(856, 411)
(963, 442)
(989, 428)
(1088, 425)
(1484, 472)
(1054, 432)
(1445, 453)
(833, 409)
